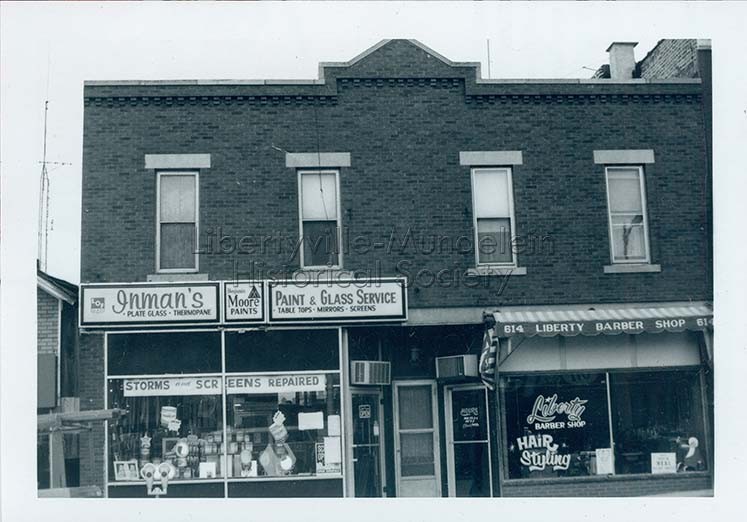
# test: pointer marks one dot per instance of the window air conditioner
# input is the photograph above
(370, 372)
(457, 366)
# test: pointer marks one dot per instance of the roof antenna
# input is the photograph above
(43, 228)
(43, 225)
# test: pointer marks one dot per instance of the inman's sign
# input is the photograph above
(162, 304)
(236, 303)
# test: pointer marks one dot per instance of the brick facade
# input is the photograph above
(91, 389)
(614, 486)
(403, 115)
(671, 59)
(47, 322)
(404, 137)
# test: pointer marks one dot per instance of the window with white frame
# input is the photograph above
(320, 218)
(492, 196)
(626, 197)
(177, 221)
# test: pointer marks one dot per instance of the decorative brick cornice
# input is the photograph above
(120, 101)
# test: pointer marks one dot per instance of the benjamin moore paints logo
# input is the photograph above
(98, 305)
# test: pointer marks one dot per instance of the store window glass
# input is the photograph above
(657, 422)
(169, 419)
(163, 353)
(320, 219)
(282, 350)
(177, 221)
(283, 425)
(557, 425)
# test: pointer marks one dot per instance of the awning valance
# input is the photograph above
(612, 321)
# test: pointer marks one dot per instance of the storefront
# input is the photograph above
(280, 389)
(239, 389)
(606, 401)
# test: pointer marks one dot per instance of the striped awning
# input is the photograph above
(611, 321)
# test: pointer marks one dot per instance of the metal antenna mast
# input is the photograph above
(43, 228)
(43, 225)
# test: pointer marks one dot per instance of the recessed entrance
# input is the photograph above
(416, 443)
(468, 456)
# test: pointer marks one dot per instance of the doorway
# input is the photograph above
(369, 470)
(468, 458)
(416, 441)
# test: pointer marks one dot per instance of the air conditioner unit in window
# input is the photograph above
(456, 367)
(370, 372)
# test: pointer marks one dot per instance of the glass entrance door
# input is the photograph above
(467, 438)
(367, 443)
(416, 441)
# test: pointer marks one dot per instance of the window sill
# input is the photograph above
(497, 271)
(611, 478)
(169, 277)
(625, 268)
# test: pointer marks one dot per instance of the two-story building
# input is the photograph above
(400, 279)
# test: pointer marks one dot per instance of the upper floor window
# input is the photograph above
(626, 197)
(178, 204)
(494, 222)
(320, 218)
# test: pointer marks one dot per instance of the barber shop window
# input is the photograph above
(658, 422)
(492, 198)
(320, 218)
(628, 224)
(177, 221)
(557, 425)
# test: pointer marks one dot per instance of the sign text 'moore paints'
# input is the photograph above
(243, 302)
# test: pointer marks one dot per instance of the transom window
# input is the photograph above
(626, 196)
(320, 219)
(492, 197)
(177, 222)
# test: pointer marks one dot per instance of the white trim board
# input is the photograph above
(317, 159)
(493, 158)
(624, 157)
(177, 161)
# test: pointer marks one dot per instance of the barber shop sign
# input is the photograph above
(539, 451)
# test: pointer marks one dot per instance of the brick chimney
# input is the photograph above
(622, 60)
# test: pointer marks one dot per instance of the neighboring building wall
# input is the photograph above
(47, 322)
(671, 59)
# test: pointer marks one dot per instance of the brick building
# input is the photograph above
(57, 377)
(479, 220)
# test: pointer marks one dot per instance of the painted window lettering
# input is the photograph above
(539, 451)
(546, 409)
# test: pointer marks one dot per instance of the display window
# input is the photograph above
(557, 425)
(163, 353)
(284, 425)
(281, 390)
(658, 422)
(282, 350)
(169, 419)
